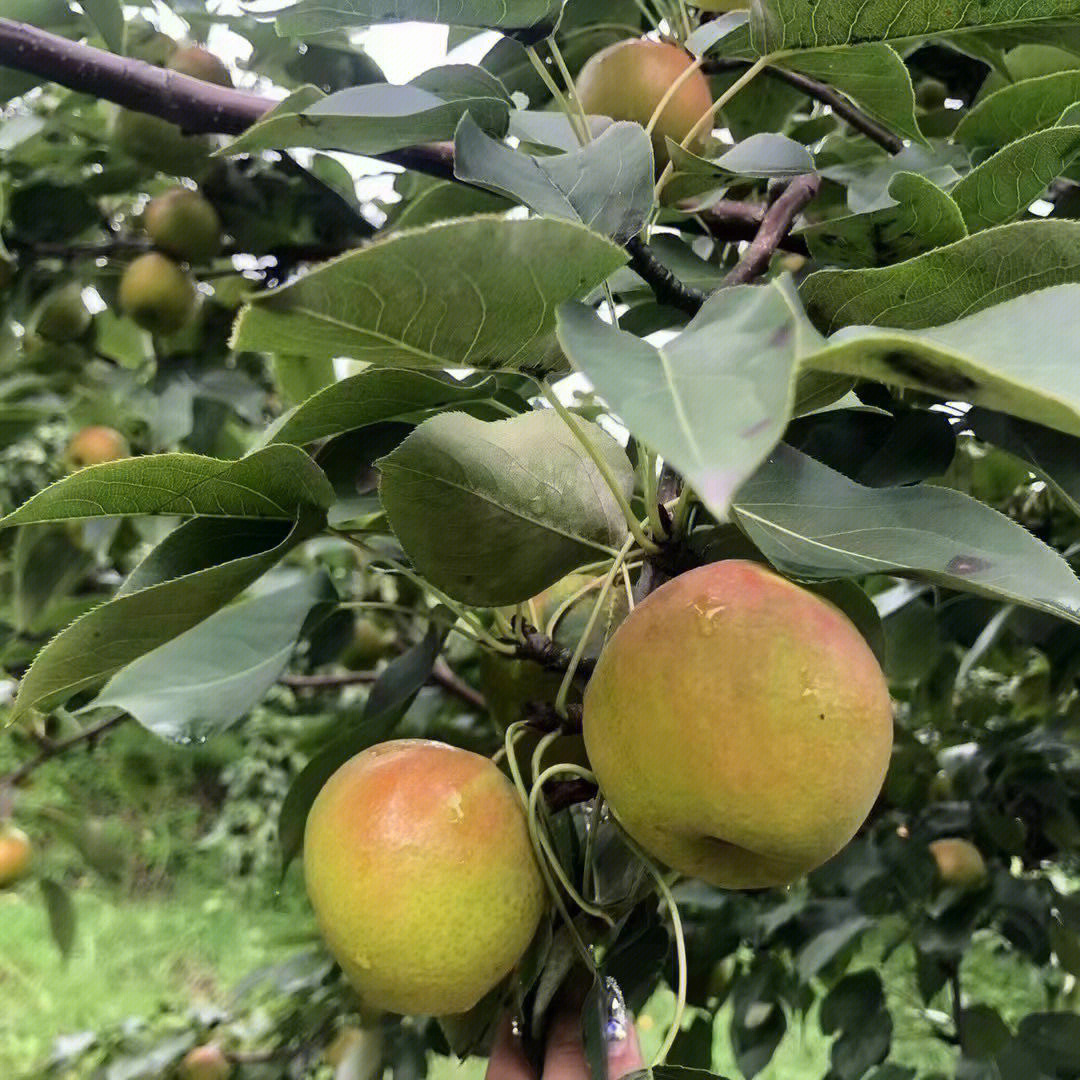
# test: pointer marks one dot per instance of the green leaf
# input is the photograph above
(273, 484)
(298, 378)
(777, 25)
(394, 303)
(946, 284)
(1053, 1040)
(379, 117)
(811, 523)
(872, 75)
(213, 674)
(606, 185)
(1018, 110)
(387, 702)
(46, 565)
(1053, 455)
(1004, 185)
(982, 1031)
(922, 218)
(714, 400)
(765, 155)
(376, 396)
(197, 569)
(985, 358)
(61, 913)
(108, 18)
(493, 513)
(307, 17)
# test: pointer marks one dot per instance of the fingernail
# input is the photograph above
(617, 1025)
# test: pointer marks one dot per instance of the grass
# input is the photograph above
(132, 958)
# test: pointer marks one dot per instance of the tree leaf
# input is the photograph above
(1053, 1040)
(379, 117)
(45, 566)
(307, 17)
(61, 913)
(872, 75)
(273, 484)
(606, 185)
(213, 674)
(376, 396)
(108, 18)
(387, 702)
(922, 217)
(946, 284)
(811, 522)
(1018, 110)
(985, 358)
(777, 25)
(211, 560)
(493, 513)
(435, 297)
(1004, 185)
(765, 155)
(1053, 455)
(714, 400)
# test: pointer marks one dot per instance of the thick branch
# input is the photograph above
(194, 105)
(51, 749)
(666, 287)
(775, 225)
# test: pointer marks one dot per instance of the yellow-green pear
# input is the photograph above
(199, 63)
(16, 855)
(158, 294)
(959, 862)
(183, 224)
(627, 81)
(95, 445)
(739, 726)
(206, 1062)
(420, 870)
(63, 315)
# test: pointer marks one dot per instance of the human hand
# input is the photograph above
(564, 1056)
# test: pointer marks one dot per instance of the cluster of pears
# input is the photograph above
(739, 727)
(155, 142)
(156, 291)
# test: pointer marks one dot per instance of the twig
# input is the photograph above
(775, 224)
(441, 676)
(550, 654)
(53, 749)
(559, 794)
(819, 91)
(666, 287)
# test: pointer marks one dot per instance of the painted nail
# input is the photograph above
(616, 1026)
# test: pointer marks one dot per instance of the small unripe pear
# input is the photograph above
(627, 80)
(931, 94)
(183, 224)
(156, 143)
(63, 316)
(157, 294)
(419, 867)
(959, 862)
(739, 726)
(95, 445)
(199, 63)
(15, 855)
(205, 1063)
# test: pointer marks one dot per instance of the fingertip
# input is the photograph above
(508, 1060)
(624, 1054)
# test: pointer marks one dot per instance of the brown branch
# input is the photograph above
(819, 91)
(195, 106)
(550, 654)
(559, 794)
(775, 225)
(441, 676)
(732, 221)
(51, 748)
